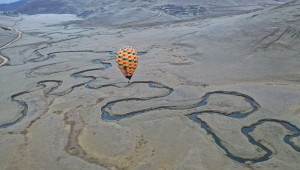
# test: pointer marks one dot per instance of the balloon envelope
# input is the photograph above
(127, 60)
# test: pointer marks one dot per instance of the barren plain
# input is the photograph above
(218, 92)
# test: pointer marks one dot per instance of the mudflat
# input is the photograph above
(221, 92)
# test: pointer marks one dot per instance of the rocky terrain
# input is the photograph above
(217, 86)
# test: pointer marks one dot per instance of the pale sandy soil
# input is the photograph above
(3, 60)
(219, 93)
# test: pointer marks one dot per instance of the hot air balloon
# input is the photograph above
(127, 60)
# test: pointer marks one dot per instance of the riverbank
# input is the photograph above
(217, 93)
(5, 60)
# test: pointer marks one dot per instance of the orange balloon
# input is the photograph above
(127, 60)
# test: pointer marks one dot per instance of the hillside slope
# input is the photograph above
(95, 7)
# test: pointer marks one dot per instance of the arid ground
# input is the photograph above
(210, 93)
